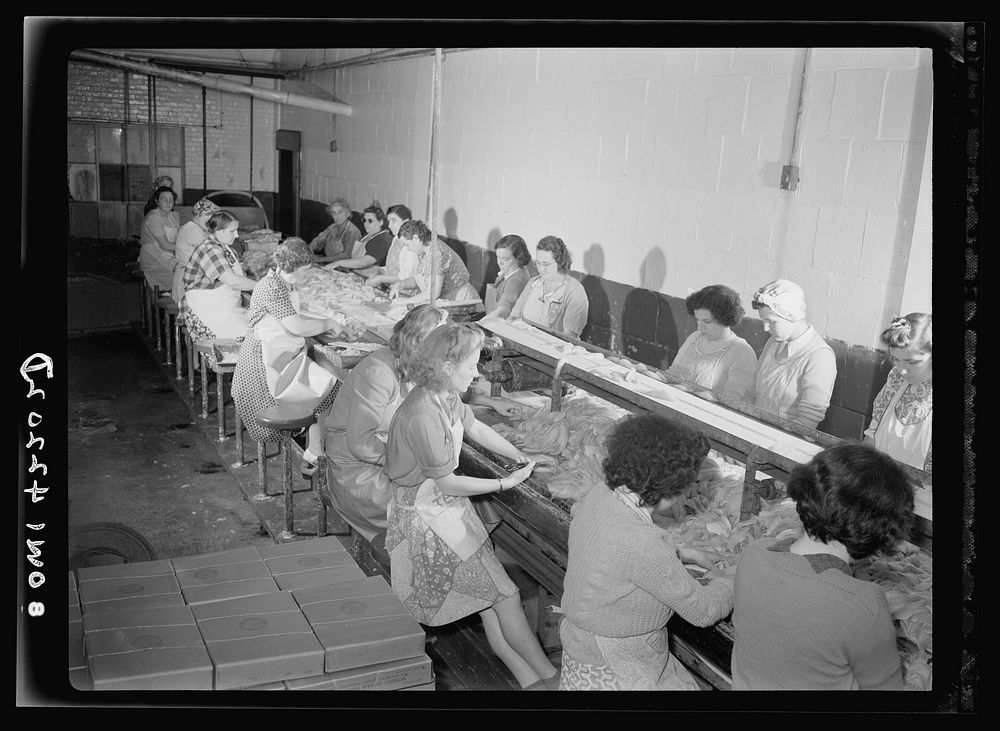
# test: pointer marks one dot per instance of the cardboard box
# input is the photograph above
(320, 577)
(281, 565)
(226, 581)
(360, 623)
(327, 544)
(145, 617)
(425, 686)
(213, 560)
(257, 640)
(116, 571)
(129, 592)
(149, 658)
(77, 656)
(384, 676)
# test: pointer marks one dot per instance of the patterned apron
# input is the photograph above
(220, 309)
(905, 439)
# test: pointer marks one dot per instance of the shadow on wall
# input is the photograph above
(598, 330)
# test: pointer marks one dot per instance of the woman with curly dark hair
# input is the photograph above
(553, 299)
(625, 577)
(835, 631)
(713, 356)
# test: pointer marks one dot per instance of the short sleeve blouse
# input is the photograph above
(271, 296)
(420, 445)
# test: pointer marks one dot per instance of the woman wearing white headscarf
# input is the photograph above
(796, 370)
(189, 236)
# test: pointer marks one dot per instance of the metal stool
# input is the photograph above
(208, 359)
(285, 420)
(166, 306)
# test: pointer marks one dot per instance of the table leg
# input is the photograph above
(204, 385)
(220, 401)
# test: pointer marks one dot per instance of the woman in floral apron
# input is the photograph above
(796, 370)
(625, 577)
(358, 423)
(442, 563)
(901, 415)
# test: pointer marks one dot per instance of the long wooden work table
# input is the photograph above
(534, 526)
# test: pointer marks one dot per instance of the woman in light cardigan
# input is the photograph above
(796, 370)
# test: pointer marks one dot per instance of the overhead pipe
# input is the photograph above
(391, 54)
(184, 77)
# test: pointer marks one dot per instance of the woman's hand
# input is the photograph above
(517, 476)
(333, 326)
(699, 557)
(394, 291)
(374, 281)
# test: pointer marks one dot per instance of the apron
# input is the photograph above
(292, 376)
(221, 308)
(907, 443)
(465, 293)
(777, 384)
(545, 313)
(453, 519)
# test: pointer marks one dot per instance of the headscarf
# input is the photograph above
(786, 299)
(204, 208)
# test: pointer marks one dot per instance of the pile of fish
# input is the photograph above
(323, 290)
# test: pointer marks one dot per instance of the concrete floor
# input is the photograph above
(137, 457)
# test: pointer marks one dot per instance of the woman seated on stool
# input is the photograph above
(442, 562)
(796, 370)
(276, 343)
(400, 261)
(189, 236)
(358, 423)
(371, 249)
(625, 577)
(553, 299)
(158, 239)
(713, 356)
(164, 181)
(512, 260)
(213, 282)
(801, 620)
(337, 240)
(452, 279)
(901, 415)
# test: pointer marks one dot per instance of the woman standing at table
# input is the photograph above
(796, 370)
(275, 345)
(553, 299)
(157, 240)
(358, 423)
(371, 249)
(451, 281)
(901, 415)
(713, 356)
(512, 258)
(442, 563)
(189, 236)
(213, 282)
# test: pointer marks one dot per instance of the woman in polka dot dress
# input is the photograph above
(270, 308)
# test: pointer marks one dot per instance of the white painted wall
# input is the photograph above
(659, 168)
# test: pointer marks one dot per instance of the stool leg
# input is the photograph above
(168, 337)
(190, 353)
(286, 483)
(179, 345)
(261, 471)
(143, 304)
(319, 482)
(204, 385)
(150, 309)
(239, 437)
(220, 400)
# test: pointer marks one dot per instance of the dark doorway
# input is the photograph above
(286, 207)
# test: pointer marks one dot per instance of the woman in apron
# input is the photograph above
(442, 563)
(213, 282)
(796, 370)
(451, 281)
(713, 356)
(274, 367)
(157, 240)
(553, 299)
(512, 258)
(625, 577)
(337, 240)
(901, 414)
(189, 236)
(371, 249)
(399, 261)
(358, 423)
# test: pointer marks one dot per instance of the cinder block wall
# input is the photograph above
(237, 160)
(660, 170)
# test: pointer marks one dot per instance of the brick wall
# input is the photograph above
(97, 93)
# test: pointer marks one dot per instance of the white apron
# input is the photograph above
(292, 376)
(904, 443)
(490, 299)
(453, 519)
(221, 309)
